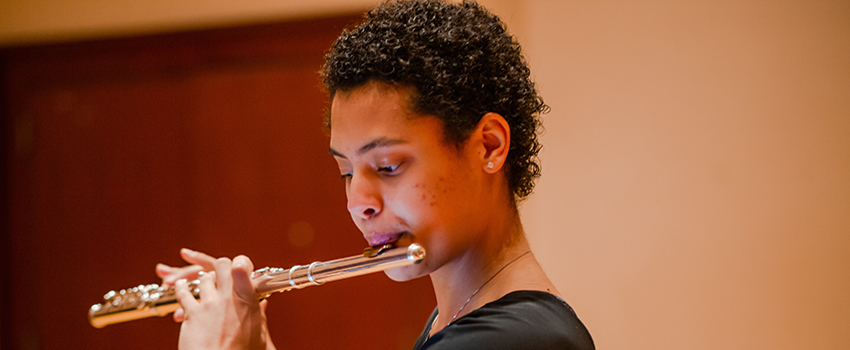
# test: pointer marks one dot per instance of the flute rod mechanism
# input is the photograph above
(154, 300)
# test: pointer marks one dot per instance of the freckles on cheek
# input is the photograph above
(440, 188)
(427, 195)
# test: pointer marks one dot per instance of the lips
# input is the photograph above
(381, 238)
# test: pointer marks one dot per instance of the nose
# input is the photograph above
(364, 200)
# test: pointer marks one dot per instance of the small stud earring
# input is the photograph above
(490, 165)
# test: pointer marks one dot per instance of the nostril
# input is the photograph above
(369, 212)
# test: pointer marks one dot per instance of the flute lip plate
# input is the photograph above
(371, 252)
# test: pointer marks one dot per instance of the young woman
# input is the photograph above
(433, 124)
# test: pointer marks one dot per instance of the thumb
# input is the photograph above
(263, 305)
(241, 271)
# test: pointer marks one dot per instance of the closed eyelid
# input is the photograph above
(345, 167)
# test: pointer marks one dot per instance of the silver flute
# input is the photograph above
(154, 300)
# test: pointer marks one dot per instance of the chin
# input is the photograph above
(405, 273)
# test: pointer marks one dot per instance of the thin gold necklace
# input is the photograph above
(479, 289)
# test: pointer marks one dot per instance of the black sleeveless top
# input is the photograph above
(519, 320)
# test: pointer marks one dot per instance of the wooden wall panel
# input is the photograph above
(124, 151)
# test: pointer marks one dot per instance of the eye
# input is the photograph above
(388, 169)
(346, 176)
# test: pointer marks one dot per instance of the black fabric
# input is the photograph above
(519, 320)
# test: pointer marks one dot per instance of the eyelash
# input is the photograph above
(384, 169)
(388, 169)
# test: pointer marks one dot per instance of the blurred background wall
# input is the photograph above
(696, 188)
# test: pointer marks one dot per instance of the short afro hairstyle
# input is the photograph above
(461, 63)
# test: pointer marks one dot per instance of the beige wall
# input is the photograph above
(697, 170)
(697, 157)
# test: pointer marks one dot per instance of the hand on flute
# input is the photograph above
(200, 262)
(228, 315)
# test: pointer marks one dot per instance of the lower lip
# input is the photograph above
(389, 239)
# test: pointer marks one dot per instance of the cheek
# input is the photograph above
(435, 194)
(420, 202)
(427, 195)
(432, 196)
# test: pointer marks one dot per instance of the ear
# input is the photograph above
(494, 134)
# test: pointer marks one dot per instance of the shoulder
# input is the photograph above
(519, 320)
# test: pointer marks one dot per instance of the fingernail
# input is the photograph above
(162, 266)
(188, 251)
(181, 282)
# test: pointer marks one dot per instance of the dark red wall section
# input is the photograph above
(120, 152)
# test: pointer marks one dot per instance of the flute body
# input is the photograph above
(154, 300)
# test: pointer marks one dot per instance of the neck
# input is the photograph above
(490, 269)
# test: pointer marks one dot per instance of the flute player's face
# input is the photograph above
(403, 182)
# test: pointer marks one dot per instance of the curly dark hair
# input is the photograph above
(461, 63)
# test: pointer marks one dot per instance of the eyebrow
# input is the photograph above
(376, 143)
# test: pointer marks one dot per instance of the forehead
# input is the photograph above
(375, 111)
(370, 96)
